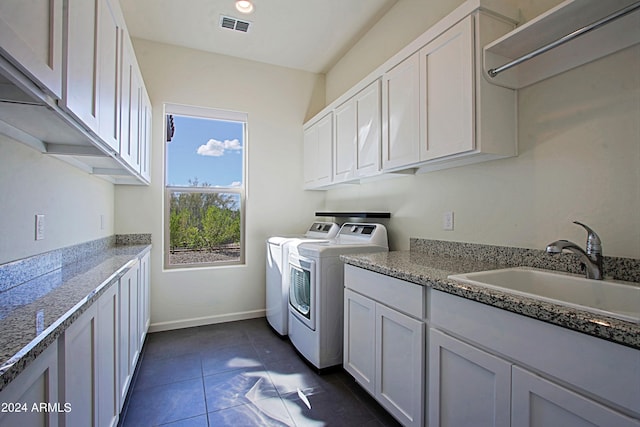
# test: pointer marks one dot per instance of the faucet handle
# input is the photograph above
(594, 245)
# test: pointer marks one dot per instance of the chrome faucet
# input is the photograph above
(591, 258)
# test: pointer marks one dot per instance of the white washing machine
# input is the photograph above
(277, 293)
(316, 290)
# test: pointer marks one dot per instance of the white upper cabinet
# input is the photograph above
(401, 114)
(31, 34)
(437, 109)
(357, 135)
(145, 136)
(109, 33)
(318, 147)
(80, 90)
(67, 55)
(345, 141)
(446, 93)
(368, 123)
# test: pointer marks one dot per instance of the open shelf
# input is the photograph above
(369, 215)
(562, 22)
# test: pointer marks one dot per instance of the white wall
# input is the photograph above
(277, 100)
(579, 144)
(72, 201)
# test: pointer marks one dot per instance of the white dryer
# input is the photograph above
(277, 293)
(316, 290)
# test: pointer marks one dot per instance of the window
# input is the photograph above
(204, 187)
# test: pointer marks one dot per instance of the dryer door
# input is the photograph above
(302, 289)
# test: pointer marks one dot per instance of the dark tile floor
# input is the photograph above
(240, 374)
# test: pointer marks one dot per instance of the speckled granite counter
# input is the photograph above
(431, 267)
(59, 285)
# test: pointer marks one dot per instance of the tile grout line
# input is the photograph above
(204, 390)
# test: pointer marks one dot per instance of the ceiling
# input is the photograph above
(310, 35)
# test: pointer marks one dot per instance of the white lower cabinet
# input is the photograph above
(400, 346)
(538, 402)
(545, 375)
(359, 339)
(144, 312)
(128, 330)
(467, 386)
(90, 361)
(36, 385)
(480, 366)
(82, 378)
(384, 348)
(107, 378)
(79, 360)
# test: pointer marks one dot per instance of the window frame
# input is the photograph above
(241, 191)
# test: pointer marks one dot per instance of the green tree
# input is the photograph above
(203, 220)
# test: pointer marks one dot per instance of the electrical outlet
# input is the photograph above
(101, 222)
(39, 227)
(447, 221)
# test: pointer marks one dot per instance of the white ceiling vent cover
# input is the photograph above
(231, 23)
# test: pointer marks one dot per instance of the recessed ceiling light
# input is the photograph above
(244, 6)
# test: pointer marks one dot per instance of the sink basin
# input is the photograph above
(611, 298)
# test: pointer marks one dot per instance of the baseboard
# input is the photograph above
(208, 320)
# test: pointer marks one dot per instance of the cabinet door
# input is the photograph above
(135, 107)
(80, 89)
(310, 149)
(107, 368)
(447, 93)
(400, 114)
(134, 320)
(325, 150)
(539, 402)
(359, 339)
(37, 384)
(109, 33)
(143, 303)
(124, 376)
(318, 147)
(31, 33)
(369, 131)
(466, 385)
(80, 361)
(129, 105)
(145, 136)
(400, 365)
(345, 141)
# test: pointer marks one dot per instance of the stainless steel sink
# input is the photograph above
(611, 298)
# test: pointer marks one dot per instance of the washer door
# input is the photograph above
(302, 289)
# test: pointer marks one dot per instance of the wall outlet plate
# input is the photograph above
(39, 227)
(447, 221)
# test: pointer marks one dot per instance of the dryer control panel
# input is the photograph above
(363, 233)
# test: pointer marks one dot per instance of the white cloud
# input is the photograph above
(235, 184)
(217, 148)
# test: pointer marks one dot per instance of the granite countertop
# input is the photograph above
(59, 297)
(432, 270)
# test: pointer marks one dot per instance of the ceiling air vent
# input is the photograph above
(234, 24)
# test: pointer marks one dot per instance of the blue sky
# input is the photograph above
(209, 150)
